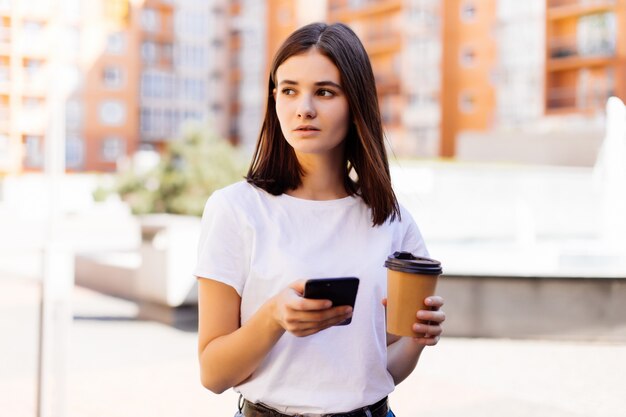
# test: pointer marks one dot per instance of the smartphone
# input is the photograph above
(341, 291)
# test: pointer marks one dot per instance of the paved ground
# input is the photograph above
(120, 367)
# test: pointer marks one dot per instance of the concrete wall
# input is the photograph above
(546, 308)
(567, 148)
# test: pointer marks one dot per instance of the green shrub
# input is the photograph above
(190, 169)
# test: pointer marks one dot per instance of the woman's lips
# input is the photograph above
(306, 131)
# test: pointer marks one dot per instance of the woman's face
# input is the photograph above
(311, 105)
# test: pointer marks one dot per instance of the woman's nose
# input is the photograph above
(305, 109)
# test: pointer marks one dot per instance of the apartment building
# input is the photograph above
(520, 63)
(585, 55)
(25, 70)
(469, 57)
(379, 25)
(136, 70)
(184, 66)
(248, 52)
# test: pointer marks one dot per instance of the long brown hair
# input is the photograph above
(275, 167)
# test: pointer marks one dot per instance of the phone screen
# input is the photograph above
(340, 291)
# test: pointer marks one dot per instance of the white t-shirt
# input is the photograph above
(259, 243)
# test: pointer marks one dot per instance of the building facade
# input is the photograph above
(137, 71)
(585, 55)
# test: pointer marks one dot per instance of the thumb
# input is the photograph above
(298, 286)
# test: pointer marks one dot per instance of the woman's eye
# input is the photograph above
(325, 93)
(288, 91)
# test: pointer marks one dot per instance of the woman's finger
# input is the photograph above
(435, 302)
(429, 329)
(427, 341)
(438, 316)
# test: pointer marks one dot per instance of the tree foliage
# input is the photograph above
(190, 169)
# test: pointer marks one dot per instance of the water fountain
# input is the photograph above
(610, 175)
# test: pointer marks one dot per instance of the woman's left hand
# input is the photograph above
(429, 322)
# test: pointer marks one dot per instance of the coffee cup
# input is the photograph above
(410, 279)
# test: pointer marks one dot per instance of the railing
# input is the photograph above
(571, 98)
(559, 3)
(5, 35)
(5, 74)
(570, 46)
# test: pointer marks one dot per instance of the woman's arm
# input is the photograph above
(404, 352)
(229, 353)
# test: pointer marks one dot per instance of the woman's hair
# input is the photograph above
(275, 167)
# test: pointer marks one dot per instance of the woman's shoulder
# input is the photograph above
(237, 194)
(403, 220)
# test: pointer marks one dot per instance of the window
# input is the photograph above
(73, 114)
(150, 20)
(468, 56)
(31, 66)
(32, 29)
(112, 77)
(468, 12)
(5, 146)
(192, 89)
(74, 152)
(190, 56)
(194, 24)
(149, 52)
(5, 112)
(71, 39)
(116, 43)
(145, 120)
(33, 154)
(31, 103)
(167, 52)
(157, 84)
(467, 102)
(5, 71)
(112, 112)
(112, 148)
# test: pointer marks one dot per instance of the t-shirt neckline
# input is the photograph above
(337, 202)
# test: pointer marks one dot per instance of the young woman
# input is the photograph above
(317, 203)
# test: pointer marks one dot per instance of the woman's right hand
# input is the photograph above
(303, 316)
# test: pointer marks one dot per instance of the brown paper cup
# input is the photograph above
(405, 296)
(410, 280)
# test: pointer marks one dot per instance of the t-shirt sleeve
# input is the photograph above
(221, 248)
(413, 241)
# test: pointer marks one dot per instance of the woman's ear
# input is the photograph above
(274, 93)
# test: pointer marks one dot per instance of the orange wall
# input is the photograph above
(467, 80)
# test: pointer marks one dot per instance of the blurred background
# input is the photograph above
(506, 132)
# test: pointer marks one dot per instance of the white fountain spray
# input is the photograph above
(610, 175)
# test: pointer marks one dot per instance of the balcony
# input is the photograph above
(570, 53)
(5, 121)
(382, 42)
(5, 79)
(36, 82)
(35, 46)
(565, 9)
(5, 35)
(364, 9)
(32, 120)
(572, 99)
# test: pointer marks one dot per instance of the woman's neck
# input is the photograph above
(323, 178)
